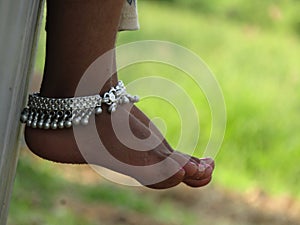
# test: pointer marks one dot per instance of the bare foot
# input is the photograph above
(78, 32)
(149, 158)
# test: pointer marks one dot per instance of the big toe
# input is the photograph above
(198, 183)
(170, 182)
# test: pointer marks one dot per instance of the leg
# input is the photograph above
(78, 32)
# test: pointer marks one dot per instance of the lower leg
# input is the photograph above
(78, 32)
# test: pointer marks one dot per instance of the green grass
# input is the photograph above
(40, 195)
(259, 72)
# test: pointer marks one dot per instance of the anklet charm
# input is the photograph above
(45, 113)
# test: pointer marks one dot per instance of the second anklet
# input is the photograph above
(45, 113)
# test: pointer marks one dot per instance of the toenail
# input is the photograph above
(201, 168)
(208, 160)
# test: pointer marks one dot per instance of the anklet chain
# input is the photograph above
(45, 113)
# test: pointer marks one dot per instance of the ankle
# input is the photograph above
(59, 88)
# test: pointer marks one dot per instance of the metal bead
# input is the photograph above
(34, 124)
(54, 125)
(61, 124)
(119, 92)
(85, 120)
(46, 126)
(112, 108)
(125, 100)
(23, 118)
(76, 121)
(40, 124)
(68, 124)
(135, 98)
(98, 110)
(28, 123)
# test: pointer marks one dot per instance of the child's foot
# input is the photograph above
(78, 32)
(158, 165)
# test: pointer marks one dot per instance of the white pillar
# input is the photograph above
(19, 23)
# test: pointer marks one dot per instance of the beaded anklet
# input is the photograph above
(45, 113)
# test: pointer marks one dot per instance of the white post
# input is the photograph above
(19, 23)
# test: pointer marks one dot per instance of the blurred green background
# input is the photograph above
(253, 48)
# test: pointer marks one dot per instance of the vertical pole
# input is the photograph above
(19, 23)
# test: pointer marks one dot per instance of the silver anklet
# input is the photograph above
(45, 113)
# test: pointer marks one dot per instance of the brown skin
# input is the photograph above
(78, 32)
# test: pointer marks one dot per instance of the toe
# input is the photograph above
(165, 174)
(201, 172)
(209, 161)
(190, 166)
(198, 183)
(205, 168)
(204, 171)
(208, 172)
(170, 182)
